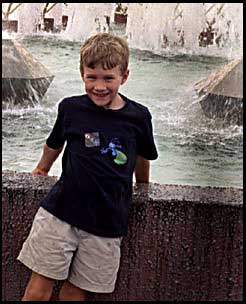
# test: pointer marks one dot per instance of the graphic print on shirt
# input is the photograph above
(119, 157)
(92, 139)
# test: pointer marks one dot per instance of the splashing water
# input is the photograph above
(211, 29)
(192, 149)
(174, 28)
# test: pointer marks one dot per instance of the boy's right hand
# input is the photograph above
(48, 157)
(38, 171)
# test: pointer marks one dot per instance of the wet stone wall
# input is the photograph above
(184, 242)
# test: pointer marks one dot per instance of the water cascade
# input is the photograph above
(215, 29)
(212, 29)
(25, 26)
(85, 19)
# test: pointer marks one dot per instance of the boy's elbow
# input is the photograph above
(58, 150)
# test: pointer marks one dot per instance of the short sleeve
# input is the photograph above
(56, 138)
(146, 144)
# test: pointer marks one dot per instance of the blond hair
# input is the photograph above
(106, 50)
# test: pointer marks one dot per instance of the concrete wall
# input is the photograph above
(184, 243)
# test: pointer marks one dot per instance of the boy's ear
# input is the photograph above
(125, 76)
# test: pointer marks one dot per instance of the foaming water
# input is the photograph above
(192, 148)
(175, 28)
(162, 28)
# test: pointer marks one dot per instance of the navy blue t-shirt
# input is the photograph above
(95, 188)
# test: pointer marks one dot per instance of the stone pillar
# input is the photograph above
(184, 243)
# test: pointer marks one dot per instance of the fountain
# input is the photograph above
(222, 93)
(183, 28)
(169, 30)
(7, 10)
(40, 17)
(85, 19)
(164, 29)
(24, 79)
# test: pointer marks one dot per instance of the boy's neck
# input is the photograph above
(117, 104)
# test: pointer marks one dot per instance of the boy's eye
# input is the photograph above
(106, 78)
(90, 77)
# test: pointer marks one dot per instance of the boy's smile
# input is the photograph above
(102, 86)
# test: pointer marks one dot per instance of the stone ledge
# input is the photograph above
(184, 243)
(152, 191)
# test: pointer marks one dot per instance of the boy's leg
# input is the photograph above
(95, 264)
(39, 288)
(70, 292)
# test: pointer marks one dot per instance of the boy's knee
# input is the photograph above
(32, 294)
(71, 292)
(39, 288)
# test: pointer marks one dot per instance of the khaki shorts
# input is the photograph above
(60, 251)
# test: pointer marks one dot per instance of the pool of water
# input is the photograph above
(193, 150)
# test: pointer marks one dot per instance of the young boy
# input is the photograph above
(77, 231)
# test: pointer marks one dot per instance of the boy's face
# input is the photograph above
(102, 85)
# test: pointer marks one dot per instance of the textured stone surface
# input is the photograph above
(184, 243)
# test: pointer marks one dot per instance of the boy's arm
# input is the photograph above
(48, 157)
(142, 170)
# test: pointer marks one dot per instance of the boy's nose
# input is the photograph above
(99, 86)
